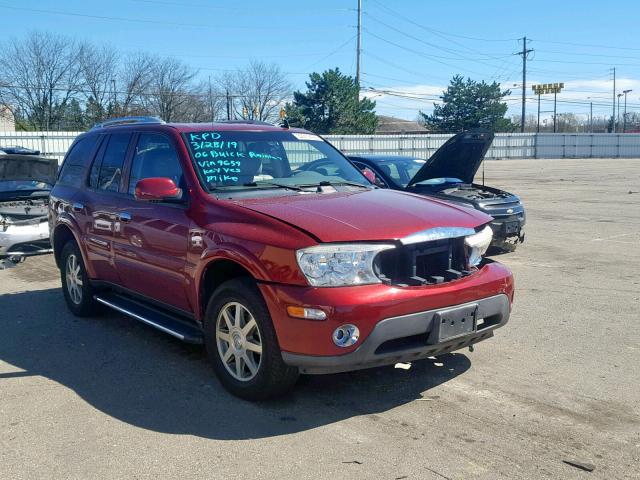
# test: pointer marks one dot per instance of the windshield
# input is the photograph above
(242, 160)
(22, 185)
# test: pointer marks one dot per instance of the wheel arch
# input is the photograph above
(216, 272)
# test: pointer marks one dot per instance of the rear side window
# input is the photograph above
(75, 164)
(113, 161)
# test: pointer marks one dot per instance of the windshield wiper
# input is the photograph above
(327, 183)
(272, 184)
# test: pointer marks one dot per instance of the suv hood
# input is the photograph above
(28, 167)
(371, 215)
(460, 157)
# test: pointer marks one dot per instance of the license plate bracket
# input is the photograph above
(511, 227)
(453, 323)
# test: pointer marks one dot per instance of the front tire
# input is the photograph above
(242, 344)
(75, 282)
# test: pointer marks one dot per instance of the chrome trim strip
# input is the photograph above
(138, 317)
(437, 233)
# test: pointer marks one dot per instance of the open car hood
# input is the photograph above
(28, 167)
(460, 157)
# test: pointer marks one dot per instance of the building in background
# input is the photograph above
(7, 121)
(398, 126)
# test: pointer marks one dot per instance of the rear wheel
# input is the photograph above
(242, 344)
(75, 283)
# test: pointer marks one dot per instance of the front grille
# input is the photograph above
(426, 263)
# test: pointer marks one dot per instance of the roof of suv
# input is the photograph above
(153, 123)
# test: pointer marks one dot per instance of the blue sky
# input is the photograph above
(410, 48)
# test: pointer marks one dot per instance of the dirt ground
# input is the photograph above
(111, 398)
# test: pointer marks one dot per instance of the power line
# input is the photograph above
(433, 45)
(161, 22)
(589, 45)
(433, 30)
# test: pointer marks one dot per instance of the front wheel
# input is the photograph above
(242, 344)
(75, 282)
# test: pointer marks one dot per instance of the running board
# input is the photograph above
(165, 322)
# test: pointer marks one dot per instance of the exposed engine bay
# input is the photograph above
(23, 212)
(25, 184)
(475, 192)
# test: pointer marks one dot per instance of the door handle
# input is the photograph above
(77, 207)
(124, 217)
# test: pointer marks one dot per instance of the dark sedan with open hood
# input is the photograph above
(448, 175)
(25, 183)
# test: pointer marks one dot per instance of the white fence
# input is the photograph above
(505, 145)
(50, 144)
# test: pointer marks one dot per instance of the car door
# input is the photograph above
(97, 205)
(151, 238)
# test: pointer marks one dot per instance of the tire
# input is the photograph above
(232, 341)
(77, 290)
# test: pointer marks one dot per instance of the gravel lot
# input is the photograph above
(111, 398)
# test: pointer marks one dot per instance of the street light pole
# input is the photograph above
(624, 115)
(618, 122)
(555, 97)
(538, 129)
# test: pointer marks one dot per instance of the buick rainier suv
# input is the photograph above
(218, 234)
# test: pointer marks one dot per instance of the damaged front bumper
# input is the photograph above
(24, 238)
(508, 230)
(413, 337)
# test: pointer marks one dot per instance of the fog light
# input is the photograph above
(306, 313)
(346, 335)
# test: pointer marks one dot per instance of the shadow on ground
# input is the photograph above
(152, 381)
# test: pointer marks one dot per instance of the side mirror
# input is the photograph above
(157, 189)
(367, 172)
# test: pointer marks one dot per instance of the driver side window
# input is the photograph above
(154, 157)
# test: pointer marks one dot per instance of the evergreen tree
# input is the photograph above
(468, 104)
(331, 105)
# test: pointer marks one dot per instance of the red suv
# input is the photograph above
(213, 233)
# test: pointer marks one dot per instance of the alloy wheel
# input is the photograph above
(239, 341)
(74, 279)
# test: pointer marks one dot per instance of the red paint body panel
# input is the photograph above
(364, 306)
(366, 215)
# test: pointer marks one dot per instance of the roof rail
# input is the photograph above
(114, 122)
(250, 122)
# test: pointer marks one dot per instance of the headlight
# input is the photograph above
(478, 244)
(340, 264)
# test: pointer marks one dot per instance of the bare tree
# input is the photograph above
(133, 81)
(171, 88)
(38, 77)
(99, 71)
(258, 90)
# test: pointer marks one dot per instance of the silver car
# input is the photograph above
(25, 183)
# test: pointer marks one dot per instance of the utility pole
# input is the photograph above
(228, 105)
(211, 101)
(359, 45)
(524, 54)
(115, 98)
(613, 113)
(590, 117)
